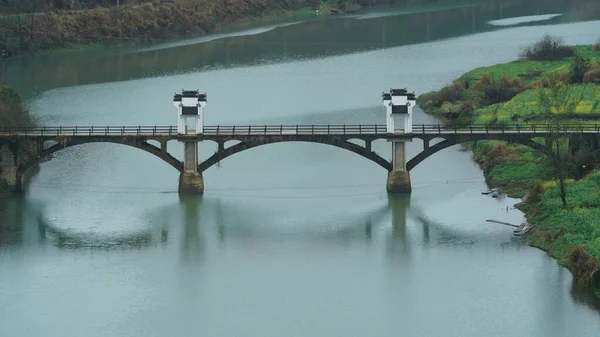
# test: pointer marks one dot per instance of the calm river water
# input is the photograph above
(289, 239)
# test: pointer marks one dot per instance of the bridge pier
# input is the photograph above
(190, 180)
(398, 180)
(9, 172)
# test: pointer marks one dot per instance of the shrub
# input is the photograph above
(597, 46)
(584, 161)
(428, 105)
(498, 151)
(579, 66)
(548, 48)
(583, 264)
(449, 108)
(461, 113)
(592, 75)
(551, 81)
(531, 74)
(452, 93)
(497, 91)
(536, 193)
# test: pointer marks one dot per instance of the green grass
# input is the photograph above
(516, 168)
(587, 97)
(580, 220)
(516, 68)
(522, 164)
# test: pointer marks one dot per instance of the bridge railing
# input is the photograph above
(295, 129)
(90, 130)
(211, 130)
(542, 128)
(341, 129)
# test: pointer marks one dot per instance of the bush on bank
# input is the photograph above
(548, 48)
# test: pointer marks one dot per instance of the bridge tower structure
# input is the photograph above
(190, 112)
(399, 104)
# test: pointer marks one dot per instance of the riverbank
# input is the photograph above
(149, 21)
(562, 90)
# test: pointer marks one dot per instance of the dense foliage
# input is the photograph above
(12, 110)
(12, 113)
(549, 48)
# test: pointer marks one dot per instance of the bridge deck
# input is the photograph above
(292, 130)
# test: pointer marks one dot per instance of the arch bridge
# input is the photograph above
(23, 148)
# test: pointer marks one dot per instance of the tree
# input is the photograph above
(579, 66)
(554, 101)
(12, 110)
(548, 48)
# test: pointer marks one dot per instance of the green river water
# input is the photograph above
(289, 239)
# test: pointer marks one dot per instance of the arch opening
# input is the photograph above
(241, 146)
(145, 146)
(230, 143)
(451, 141)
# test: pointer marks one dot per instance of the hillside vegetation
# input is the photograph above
(555, 85)
(12, 114)
(31, 25)
(12, 110)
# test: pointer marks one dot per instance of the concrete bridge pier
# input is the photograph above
(190, 180)
(398, 180)
(9, 172)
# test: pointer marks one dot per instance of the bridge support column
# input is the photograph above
(398, 180)
(190, 180)
(9, 172)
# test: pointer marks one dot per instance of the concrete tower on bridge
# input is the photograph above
(399, 104)
(190, 113)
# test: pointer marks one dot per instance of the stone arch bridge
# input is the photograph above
(23, 148)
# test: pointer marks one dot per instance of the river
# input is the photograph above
(289, 239)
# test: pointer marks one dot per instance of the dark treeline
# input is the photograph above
(31, 25)
(26, 6)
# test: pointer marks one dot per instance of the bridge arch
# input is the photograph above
(451, 141)
(365, 152)
(65, 143)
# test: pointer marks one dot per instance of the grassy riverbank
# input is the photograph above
(557, 89)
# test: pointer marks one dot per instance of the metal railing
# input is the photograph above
(89, 130)
(358, 129)
(542, 128)
(208, 130)
(258, 130)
